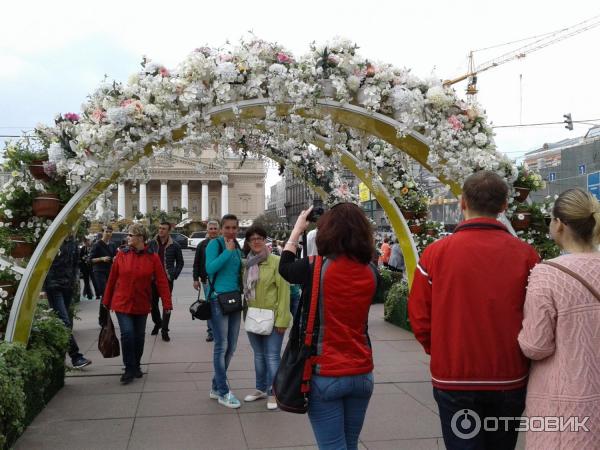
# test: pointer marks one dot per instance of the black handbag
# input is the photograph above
(291, 385)
(229, 302)
(200, 309)
(108, 343)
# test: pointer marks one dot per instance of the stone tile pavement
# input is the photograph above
(169, 407)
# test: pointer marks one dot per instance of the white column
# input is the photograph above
(184, 198)
(143, 200)
(121, 201)
(164, 199)
(100, 208)
(204, 205)
(224, 195)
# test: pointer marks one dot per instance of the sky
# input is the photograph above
(53, 54)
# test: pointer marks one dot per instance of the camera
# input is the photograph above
(315, 214)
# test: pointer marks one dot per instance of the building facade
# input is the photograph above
(205, 189)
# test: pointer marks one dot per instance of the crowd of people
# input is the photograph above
(505, 332)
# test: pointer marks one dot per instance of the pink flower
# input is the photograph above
(163, 71)
(455, 122)
(98, 115)
(283, 58)
(334, 60)
(71, 117)
(226, 57)
(136, 103)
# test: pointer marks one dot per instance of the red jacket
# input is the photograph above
(129, 286)
(466, 306)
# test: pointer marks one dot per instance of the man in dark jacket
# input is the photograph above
(101, 257)
(199, 269)
(171, 259)
(59, 288)
(85, 269)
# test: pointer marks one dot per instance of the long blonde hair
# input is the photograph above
(581, 212)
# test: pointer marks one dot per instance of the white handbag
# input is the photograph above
(259, 321)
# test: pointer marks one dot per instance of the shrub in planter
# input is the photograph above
(386, 279)
(29, 377)
(395, 308)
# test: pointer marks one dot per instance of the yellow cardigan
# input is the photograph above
(273, 292)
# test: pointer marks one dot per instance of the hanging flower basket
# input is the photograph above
(36, 167)
(522, 194)
(21, 248)
(521, 221)
(415, 229)
(10, 288)
(46, 205)
(412, 215)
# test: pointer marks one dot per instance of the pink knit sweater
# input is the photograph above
(561, 334)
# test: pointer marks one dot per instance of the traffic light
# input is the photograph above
(568, 121)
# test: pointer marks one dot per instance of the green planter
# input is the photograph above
(396, 305)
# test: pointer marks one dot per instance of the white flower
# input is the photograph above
(436, 95)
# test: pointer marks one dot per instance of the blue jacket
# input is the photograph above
(226, 264)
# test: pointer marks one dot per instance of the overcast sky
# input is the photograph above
(52, 54)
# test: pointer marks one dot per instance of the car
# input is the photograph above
(195, 239)
(181, 239)
(119, 238)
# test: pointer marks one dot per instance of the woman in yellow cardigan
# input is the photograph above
(268, 316)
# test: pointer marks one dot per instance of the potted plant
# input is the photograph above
(526, 182)
(9, 281)
(49, 203)
(521, 218)
(22, 154)
(413, 203)
(15, 201)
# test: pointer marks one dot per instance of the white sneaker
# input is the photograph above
(271, 402)
(230, 401)
(214, 395)
(253, 397)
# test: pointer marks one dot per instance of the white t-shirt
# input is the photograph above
(311, 245)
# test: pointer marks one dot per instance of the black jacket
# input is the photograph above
(99, 250)
(199, 268)
(173, 258)
(65, 267)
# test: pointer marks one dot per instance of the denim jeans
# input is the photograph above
(133, 330)
(225, 331)
(209, 321)
(59, 300)
(267, 355)
(337, 409)
(485, 404)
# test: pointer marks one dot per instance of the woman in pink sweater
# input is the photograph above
(561, 332)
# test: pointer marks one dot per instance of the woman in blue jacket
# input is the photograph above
(223, 267)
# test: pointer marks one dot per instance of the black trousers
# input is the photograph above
(463, 414)
(101, 279)
(156, 317)
(85, 275)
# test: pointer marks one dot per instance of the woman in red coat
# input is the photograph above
(129, 292)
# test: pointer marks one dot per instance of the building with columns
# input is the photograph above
(206, 187)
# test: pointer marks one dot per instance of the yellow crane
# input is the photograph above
(537, 43)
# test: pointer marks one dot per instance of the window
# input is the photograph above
(134, 206)
(245, 206)
(552, 176)
(213, 207)
(154, 204)
(175, 205)
(581, 169)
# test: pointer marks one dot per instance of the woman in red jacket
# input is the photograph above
(342, 380)
(129, 293)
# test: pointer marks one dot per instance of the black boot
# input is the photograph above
(165, 326)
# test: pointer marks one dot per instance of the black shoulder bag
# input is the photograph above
(229, 302)
(291, 385)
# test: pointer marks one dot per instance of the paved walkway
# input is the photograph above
(169, 407)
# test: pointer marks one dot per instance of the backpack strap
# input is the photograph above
(575, 275)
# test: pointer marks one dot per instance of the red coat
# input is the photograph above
(129, 286)
(466, 306)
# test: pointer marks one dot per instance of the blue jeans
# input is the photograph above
(133, 331)
(510, 403)
(267, 355)
(337, 409)
(208, 322)
(225, 331)
(59, 300)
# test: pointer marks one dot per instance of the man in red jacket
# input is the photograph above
(466, 308)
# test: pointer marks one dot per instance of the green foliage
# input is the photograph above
(528, 179)
(29, 377)
(274, 226)
(386, 281)
(395, 308)
(20, 153)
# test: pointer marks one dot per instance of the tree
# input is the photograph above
(272, 224)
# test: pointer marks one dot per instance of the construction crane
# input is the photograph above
(539, 42)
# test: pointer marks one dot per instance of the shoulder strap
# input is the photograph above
(312, 313)
(574, 275)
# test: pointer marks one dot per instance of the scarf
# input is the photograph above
(252, 271)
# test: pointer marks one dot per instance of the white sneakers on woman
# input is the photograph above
(271, 402)
(255, 396)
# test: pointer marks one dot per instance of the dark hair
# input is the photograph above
(256, 229)
(229, 217)
(581, 212)
(166, 223)
(345, 230)
(485, 192)
(107, 227)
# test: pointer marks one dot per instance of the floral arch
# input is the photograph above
(328, 109)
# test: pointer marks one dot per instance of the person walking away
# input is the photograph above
(466, 308)
(264, 288)
(396, 261)
(223, 267)
(171, 259)
(59, 290)
(101, 256)
(385, 251)
(85, 268)
(199, 268)
(342, 380)
(561, 326)
(129, 293)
